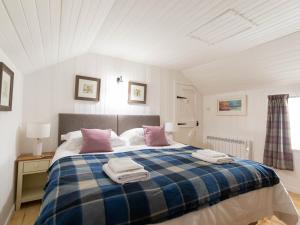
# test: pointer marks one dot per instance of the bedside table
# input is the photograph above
(31, 177)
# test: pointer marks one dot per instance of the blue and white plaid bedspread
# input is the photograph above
(79, 192)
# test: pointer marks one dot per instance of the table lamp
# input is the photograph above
(169, 129)
(38, 131)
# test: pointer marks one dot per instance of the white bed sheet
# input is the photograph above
(73, 148)
(239, 210)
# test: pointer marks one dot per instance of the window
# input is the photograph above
(294, 113)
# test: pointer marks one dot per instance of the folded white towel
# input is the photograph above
(216, 160)
(119, 165)
(126, 177)
(211, 153)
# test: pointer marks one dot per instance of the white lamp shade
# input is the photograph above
(38, 130)
(169, 127)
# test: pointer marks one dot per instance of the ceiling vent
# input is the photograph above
(226, 25)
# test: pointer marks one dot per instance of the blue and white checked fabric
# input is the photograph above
(79, 192)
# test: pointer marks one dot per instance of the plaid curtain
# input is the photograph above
(278, 153)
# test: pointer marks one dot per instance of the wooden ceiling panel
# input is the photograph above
(33, 23)
(9, 40)
(157, 32)
(37, 33)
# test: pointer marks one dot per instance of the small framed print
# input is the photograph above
(232, 106)
(137, 93)
(6, 87)
(87, 88)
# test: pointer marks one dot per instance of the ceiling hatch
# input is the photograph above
(222, 27)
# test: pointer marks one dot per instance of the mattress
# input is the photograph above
(241, 209)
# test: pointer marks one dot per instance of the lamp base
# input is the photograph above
(169, 136)
(39, 148)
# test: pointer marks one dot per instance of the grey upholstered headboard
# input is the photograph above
(126, 122)
(68, 122)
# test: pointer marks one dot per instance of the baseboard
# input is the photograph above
(9, 216)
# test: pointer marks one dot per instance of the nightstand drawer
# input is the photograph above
(35, 166)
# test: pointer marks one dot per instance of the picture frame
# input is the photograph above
(87, 88)
(6, 87)
(232, 106)
(137, 93)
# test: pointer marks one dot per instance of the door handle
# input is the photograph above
(180, 124)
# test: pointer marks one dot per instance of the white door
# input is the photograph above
(186, 113)
(185, 107)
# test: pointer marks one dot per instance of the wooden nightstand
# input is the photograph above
(32, 177)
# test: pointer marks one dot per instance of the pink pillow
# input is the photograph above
(155, 136)
(95, 140)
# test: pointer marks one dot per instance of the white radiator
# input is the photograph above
(232, 146)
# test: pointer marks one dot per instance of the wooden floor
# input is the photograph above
(296, 200)
(29, 212)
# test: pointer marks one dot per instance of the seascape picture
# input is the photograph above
(232, 106)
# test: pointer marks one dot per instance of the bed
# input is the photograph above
(182, 190)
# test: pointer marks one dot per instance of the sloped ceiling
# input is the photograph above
(160, 32)
(176, 34)
(37, 33)
(273, 63)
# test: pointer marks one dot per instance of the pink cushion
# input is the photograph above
(95, 140)
(155, 136)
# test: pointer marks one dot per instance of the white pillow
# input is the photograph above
(74, 143)
(134, 136)
(115, 139)
(71, 135)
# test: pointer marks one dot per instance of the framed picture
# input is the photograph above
(232, 106)
(87, 88)
(6, 87)
(137, 93)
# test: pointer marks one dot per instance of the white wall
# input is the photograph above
(252, 126)
(51, 91)
(9, 133)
